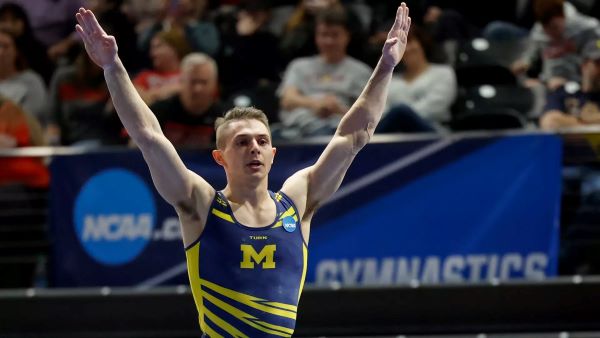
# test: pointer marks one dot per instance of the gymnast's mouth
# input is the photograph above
(255, 164)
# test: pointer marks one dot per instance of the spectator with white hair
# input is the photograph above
(187, 118)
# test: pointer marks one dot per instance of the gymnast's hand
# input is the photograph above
(101, 47)
(395, 45)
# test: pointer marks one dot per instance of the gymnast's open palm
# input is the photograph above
(395, 45)
(101, 48)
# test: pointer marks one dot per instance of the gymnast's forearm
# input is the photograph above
(135, 115)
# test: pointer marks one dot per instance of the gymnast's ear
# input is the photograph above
(218, 157)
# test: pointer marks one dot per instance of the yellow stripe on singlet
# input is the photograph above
(210, 332)
(281, 306)
(305, 264)
(224, 325)
(274, 308)
(275, 327)
(288, 212)
(193, 267)
(222, 215)
(245, 317)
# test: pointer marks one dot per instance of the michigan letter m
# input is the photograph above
(250, 256)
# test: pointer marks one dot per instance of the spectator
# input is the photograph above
(186, 16)
(52, 22)
(420, 98)
(142, 13)
(241, 66)
(166, 51)
(317, 91)
(456, 19)
(19, 129)
(453, 21)
(573, 105)
(117, 24)
(17, 83)
(187, 119)
(81, 112)
(558, 38)
(13, 18)
(298, 36)
(514, 26)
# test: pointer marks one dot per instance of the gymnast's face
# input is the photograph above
(247, 151)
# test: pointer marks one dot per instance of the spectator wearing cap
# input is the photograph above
(167, 50)
(576, 104)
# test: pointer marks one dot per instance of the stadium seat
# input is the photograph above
(263, 97)
(473, 75)
(481, 52)
(496, 119)
(490, 97)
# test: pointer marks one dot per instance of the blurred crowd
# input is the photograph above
(468, 65)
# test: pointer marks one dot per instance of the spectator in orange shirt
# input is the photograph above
(18, 129)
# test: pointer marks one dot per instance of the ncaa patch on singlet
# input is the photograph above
(289, 224)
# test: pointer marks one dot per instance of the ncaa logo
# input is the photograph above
(289, 224)
(114, 216)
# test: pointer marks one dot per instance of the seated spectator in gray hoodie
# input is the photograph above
(317, 91)
(576, 104)
(557, 38)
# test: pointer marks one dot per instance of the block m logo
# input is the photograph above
(250, 256)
